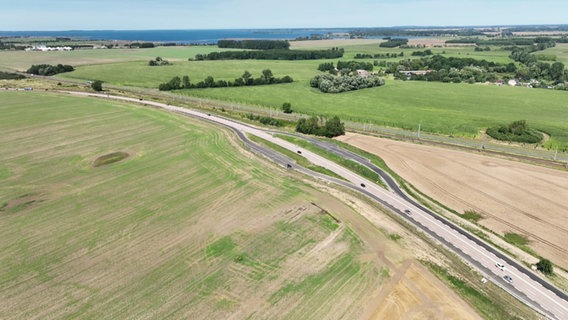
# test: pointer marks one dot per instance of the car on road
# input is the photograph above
(407, 211)
(508, 278)
(363, 185)
(500, 266)
(299, 152)
(288, 166)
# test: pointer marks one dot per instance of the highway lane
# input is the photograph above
(533, 291)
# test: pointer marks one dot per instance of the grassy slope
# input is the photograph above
(153, 235)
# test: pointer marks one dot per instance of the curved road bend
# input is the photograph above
(527, 287)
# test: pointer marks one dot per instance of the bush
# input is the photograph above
(517, 131)
(545, 266)
(97, 85)
(287, 107)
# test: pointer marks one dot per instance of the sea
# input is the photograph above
(181, 36)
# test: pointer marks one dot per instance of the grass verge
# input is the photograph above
(301, 161)
(351, 165)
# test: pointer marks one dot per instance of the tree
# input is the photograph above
(247, 77)
(185, 82)
(97, 85)
(267, 76)
(545, 266)
(287, 107)
(209, 82)
(557, 71)
(334, 127)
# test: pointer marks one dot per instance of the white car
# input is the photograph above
(500, 266)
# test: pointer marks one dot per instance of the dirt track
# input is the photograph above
(512, 196)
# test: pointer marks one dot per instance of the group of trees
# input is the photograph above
(534, 69)
(516, 131)
(320, 127)
(141, 45)
(49, 70)
(273, 55)
(335, 84)
(254, 44)
(209, 82)
(449, 69)
(393, 43)
(158, 62)
(345, 66)
(426, 52)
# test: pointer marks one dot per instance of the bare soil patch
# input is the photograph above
(512, 197)
(21, 203)
(414, 293)
(428, 42)
(110, 158)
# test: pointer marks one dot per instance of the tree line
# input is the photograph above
(49, 70)
(254, 44)
(345, 65)
(209, 82)
(378, 55)
(273, 55)
(10, 76)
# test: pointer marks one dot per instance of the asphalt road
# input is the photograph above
(526, 285)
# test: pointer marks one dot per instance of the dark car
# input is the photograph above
(407, 211)
(363, 185)
(300, 152)
(508, 278)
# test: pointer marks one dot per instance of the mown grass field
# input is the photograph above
(185, 227)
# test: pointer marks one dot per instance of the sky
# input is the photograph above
(47, 15)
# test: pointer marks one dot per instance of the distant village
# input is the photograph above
(65, 48)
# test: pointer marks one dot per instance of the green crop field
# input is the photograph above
(184, 227)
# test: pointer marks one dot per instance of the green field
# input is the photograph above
(449, 109)
(185, 227)
(21, 60)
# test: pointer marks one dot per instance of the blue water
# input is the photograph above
(179, 36)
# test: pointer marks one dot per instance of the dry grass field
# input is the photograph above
(512, 197)
(185, 226)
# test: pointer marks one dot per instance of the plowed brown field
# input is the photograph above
(513, 197)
